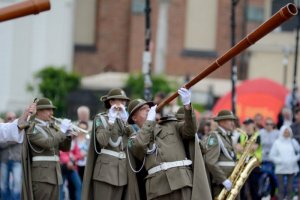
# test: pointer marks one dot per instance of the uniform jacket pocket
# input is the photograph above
(110, 170)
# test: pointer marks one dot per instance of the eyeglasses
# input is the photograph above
(269, 124)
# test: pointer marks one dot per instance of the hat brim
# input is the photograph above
(225, 117)
(41, 107)
(106, 99)
(138, 106)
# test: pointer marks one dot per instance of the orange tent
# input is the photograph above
(255, 96)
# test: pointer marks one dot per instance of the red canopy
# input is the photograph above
(255, 96)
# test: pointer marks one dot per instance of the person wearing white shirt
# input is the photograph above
(285, 155)
(13, 131)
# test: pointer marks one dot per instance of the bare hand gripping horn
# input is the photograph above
(284, 14)
(24, 8)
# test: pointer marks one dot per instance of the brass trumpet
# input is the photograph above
(75, 129)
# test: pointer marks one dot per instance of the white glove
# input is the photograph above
(123, 113)
(227, 184)
(65, 125)
(112, 114)
(185, 95)
(152, 113)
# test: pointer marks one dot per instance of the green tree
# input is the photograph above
(135, 85)
(55, 83)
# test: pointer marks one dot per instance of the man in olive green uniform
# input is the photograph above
(107, 174)
(220, 156)
(160, 145)
(40, 157)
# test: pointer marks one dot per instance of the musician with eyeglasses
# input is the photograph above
(40, 156)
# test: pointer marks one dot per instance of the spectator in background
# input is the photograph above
(83, 115)
(68, 162)
(236, 132)
(296, 125)
(296, 132)
(204, 128)
(250, 189)
(285, 117)
(83, 144)
(289, 99)
(268, 135)
(11, 166)
(258, 120)
(10, 117)
(285, 155)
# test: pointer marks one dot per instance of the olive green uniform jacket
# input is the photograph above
(168, 137)
(106, 168)
(41, 140)
(214, 155)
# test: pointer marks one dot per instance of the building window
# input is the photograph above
(138, 6)
(290, 25)
(200, 30)
(255, 14)
(85, 24)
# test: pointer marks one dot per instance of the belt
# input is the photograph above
(45, 158)
(120, 155)
(226, 163)
(168, 165)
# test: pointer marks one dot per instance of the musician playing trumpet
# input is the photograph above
(40, 156)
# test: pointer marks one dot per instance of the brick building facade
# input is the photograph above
(119, 38)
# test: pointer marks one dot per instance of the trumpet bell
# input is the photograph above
(74, 129)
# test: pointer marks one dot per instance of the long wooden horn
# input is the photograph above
(24, 8)
(284, 14)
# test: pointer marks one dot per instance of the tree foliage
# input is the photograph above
(135, 85)
(55, 83)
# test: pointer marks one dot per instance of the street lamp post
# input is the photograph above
(233, 60)
(147, 54)
(285, 62)
(294, 98)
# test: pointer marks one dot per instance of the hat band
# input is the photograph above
(225, 117)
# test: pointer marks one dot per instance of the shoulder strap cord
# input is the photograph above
(135, 171)
(148, 152)
(94, 133)
(224, 150)
(41, 130)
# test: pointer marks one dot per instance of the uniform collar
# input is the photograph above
(225, 133)
(42, 122)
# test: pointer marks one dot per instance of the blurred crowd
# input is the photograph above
(277, 148)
